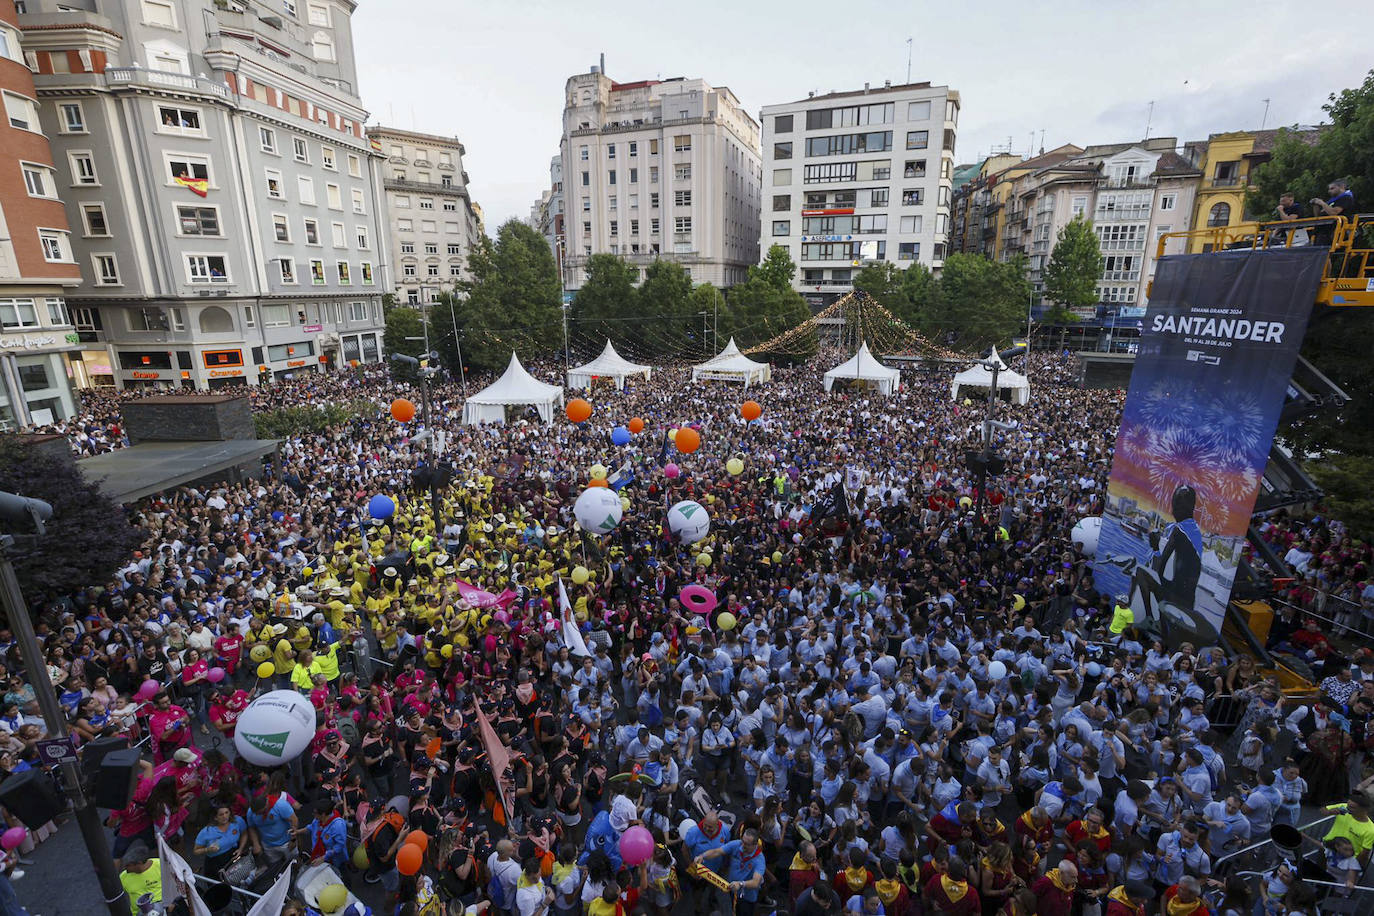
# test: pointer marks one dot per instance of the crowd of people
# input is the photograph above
(897, 707)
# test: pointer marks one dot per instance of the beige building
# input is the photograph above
(659, 169)
(431, 220)
(852, 178)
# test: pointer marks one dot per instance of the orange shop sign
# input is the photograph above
(294, 363)
(146, 374)
(226, 373)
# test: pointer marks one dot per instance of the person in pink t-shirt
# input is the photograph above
(170, 727)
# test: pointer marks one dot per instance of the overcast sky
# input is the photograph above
(1083, 71)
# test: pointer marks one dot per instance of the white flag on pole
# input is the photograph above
(178, 881)
(274, 901)
(572, 636)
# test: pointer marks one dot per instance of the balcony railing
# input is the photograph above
(1231, 182)
(397, 184)
(164, 79)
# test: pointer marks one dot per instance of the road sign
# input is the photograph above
(54, 751)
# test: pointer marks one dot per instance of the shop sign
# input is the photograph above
(313, 328)
(146, 374)
(27, 343)
(226, 373)
(293, 363)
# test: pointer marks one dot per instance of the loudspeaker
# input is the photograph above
(117, 778)
(93, 752)
(32, 797)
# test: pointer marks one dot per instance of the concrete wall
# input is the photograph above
(189, 418)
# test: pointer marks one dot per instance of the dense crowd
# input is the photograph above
(907, 710)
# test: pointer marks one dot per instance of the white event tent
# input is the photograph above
(609, 364)
(730, 365)
(515, 387)
(1014, 385)
(864, 366)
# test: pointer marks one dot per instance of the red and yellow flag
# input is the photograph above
(199, 186)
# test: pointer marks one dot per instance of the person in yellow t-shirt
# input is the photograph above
(1122, 616)
(1354, 823)
(142, 874)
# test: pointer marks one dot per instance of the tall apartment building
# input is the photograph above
(659, 169)
(1133, 193)
(430, 218)
(546, 213)
(225, 199)
(37, 268)
(851, 178)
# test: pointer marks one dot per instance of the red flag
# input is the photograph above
(499, 758)
(199, 186)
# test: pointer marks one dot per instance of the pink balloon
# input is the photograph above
(214, 675)
(671, 470)
(636, 845)
(147, 690)
(698, 599)
(502, 616)
(14, 837)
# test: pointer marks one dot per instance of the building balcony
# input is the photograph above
(424, 187)
(1233, 182)
(138, 77)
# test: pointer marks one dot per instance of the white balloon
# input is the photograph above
(689, 521)
(275, 728)
(997, 671)
(1085, 535)
(598, 510)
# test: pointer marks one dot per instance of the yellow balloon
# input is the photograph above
(307, 572)
(1017, 602)
(735, 466)
(726, 621)
(598, 472)
(260, 653)
(332, 898)
(624, 504)
(968, 402)
(266, 669)
(580, 575)
(446, 651)
(965, 502)
(360, 860)
(704, 559)
(777, 556)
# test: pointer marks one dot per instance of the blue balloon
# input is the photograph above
(381, 506)
(278, 516)
(620, 436)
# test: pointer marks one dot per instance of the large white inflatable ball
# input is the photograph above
(598, 510)
(1085, 535)
(275, 728)
(689, 521)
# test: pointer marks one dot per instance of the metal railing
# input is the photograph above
(1303, 828)
(164, 79)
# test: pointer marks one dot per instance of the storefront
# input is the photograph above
(360, 348)
(92, 369)
(35, 380)
(140, 369)
(223, 368)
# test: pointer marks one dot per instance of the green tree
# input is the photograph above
(666, 316)
(404, 333)
(757, 310)
(512, 301)
(777, 269)
(606, 300)
(1345, 478)
(882, 281)
(979, 301)
(1075, 266)
(88, 537)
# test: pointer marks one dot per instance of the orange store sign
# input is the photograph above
(146, 374)
(226, 373)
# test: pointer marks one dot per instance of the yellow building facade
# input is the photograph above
(1227, 162)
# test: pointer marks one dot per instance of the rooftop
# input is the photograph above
(151, 467)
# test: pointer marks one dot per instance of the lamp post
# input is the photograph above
(19, 511)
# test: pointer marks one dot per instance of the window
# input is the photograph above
(408, 270)
(426, 203)
(913, 197)
(455, 270)
(1168, 201)
(653, 200)
(288, 270)
(318, 14)
(160, 12)
(832, 172)
(58, 316)
(71, 119)
(344, 278)
(405, 225)
(22, 112)
(1079, 206)
(1220, 215)
(634, 227)
(428, 225)
(322, 46)
(910, 224)
(682, 224)
(300, 150)
(782, 150)
(280, 228)
(454, 248)
(93, 215)
(634, 176)
(586, 179)
(683, 172)
(16, 314)
(914, 168)
(34, 376)
(682, 198)
(782, 227)
(106, 269)
(312, 232)
(582, 153)
(918, 111)
(38, 180)
(917, 139)
(450, 206)
(432, 270)
(401, 201)
(216, 320)
(355, 166)
(782, 124)
(357, 311)
(782, 202)
(908, 251)
(611, 179)
(333, 197)
(83, 168)
(305, 188)
(634, 148)
(267, 139)
(206, 268)
(194, 167)
(362, 237)
(682, 143)
(184, 121)
(782, 178)
(366, 269)
(653, 226)
(327, 158)
(610, 151)
(431, 247)
(407, 248)
(317, 273)
(276, 316)
(615, 227)
(56, 246)
(844, 144)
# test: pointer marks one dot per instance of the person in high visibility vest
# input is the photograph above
(1122, 616)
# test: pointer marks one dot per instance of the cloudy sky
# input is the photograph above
(1081, 71)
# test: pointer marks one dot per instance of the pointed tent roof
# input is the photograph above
(516, 386)
(864, 365)
(976, 376)
(609, 362)
(732, 365)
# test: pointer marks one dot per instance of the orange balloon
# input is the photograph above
(636, 426)
(597, 482)
(409, 858)
(750, 410)
(403, 411)
(687, 440)
(418, 838)
(578, 410)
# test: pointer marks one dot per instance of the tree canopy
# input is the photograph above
(766, 305)
(1075, 266)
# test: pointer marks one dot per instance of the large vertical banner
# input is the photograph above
(1217, 348)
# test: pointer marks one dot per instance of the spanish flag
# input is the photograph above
(199, 186)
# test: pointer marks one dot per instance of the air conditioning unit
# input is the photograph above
(221, 292)
(202, 292)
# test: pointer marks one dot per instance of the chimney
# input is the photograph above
(603, 63)
(887, 84)
(865, 87)
(811, 94)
